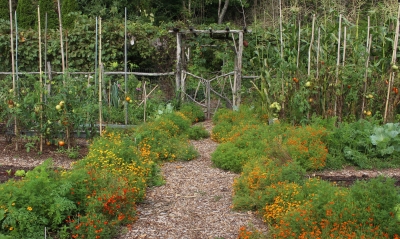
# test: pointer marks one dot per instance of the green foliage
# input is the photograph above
(166, 138)
(336, 211)
(4, 10)
(363, 144)
(27, 14)
(39, 200)
(49, 7)
(385, 139)
(100, 192)
(193, 111)
(229, 157)
(368, 198)
(258, 183)
(67, 7)
(197, 132)
(306, 146)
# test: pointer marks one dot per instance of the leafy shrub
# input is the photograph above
(100, 192)
(165, 138)
(228, 156)
(244, 114)
(197, 132)
(385, 139)
(332, 212)
(305, 145)
(39, 200)
(257, 184)
(192, 111)
(363, 144)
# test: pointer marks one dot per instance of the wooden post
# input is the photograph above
(100, 82)
(13, 70)
(337, 63)
(298, 46)
(145, 101)
(318, 51)
(238, 73)
(393, 62)
(208, 92)
(61, 39)
(49, 75)
(125, 70)
(40, 81)
(178, 73)
(311, 45)
(366, 71)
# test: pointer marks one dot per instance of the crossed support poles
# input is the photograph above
(180, 74)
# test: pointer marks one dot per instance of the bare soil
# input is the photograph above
(12, 160)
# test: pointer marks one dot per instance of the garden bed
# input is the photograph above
(12, 160)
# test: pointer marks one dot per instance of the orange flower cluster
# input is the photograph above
(305, 145)
(244, 233)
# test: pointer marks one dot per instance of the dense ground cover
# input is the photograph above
(273, 160)
(100, 192)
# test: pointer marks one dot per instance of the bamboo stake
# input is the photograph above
(281, 40)
(16, 52)
(311, 45)
(147, 95)
(337, 63)
(145, 101)
(40, 80)
(13, 70)
(366, 70)
(298, 46)
(126, 69)
(318, 50)
(344, 45)
(61, 39)
(100, 82)
(95, 56)
(393, 62)
(45, 58)
(280, 27)
(341, 85)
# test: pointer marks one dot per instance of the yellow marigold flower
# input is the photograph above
(13, 204)
(29, 208)
(11, 228)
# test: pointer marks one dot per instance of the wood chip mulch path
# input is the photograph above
(195, 202)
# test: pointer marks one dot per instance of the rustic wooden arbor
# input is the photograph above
(181, 72)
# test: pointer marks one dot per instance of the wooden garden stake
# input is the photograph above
(100, 81)
(178, 63)
(45, 59)
(344, 45)
(337, 63)
(61, 38)
(40, 80)
(95, 55)
(366, 70)
(13, 70)
(125, 70)
(145, 101)
(298, 47)
(281, 40)
(280, 27)
(318, 51)
(16, 51)
(311, 45)
(393, 62)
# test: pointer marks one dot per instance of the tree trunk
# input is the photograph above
(223, 11)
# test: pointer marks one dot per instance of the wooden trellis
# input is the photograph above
(181, 72)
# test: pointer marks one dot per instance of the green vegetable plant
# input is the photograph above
(20, 173)
(386, 139)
